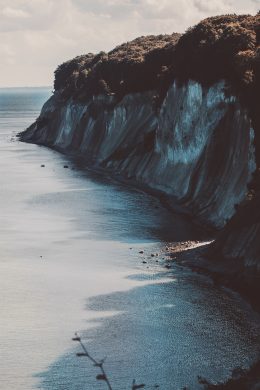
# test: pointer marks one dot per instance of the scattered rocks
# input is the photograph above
(140, 252)
(144, 262)
(152, 254)
(65, 166)
(42, 166)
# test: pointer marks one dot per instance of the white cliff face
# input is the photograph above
(69, 116)
(198, 148)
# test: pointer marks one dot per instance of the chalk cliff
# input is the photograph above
(176, 114)
(198, 148)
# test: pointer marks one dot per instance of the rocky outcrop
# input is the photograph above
(198, 149)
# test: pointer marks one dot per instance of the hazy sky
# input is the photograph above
(37, 35)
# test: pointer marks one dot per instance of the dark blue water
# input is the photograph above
(66, 265)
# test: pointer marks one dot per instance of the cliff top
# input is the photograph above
(218, 47)
(130, 67)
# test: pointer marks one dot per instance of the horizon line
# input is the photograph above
(24, 87)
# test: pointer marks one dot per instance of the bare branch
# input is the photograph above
(99, 364)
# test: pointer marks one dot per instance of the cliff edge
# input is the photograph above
(177, 114)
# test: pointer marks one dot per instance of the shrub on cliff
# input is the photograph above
(208, 51)
(218, 47)
(130, 67)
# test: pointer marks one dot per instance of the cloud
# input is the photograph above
(37, 35)
(213, 6)
(7, 54)
(14, 13)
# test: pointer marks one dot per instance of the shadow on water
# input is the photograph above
(150, 217)
(117, 211)
(173, 327)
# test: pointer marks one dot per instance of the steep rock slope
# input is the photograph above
(179, 114)
(197, 149)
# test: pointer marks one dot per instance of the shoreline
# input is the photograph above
(195, 256)
(169, 202)
(220, 270)
(192, 254)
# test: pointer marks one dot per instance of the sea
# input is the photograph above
(70, 261)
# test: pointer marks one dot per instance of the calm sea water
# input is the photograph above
(66, 265)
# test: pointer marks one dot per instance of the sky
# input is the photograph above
(37, 35)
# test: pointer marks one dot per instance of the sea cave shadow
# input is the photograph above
(175, 326)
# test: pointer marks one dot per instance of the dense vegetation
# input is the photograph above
(218, 47)
(130, 67)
